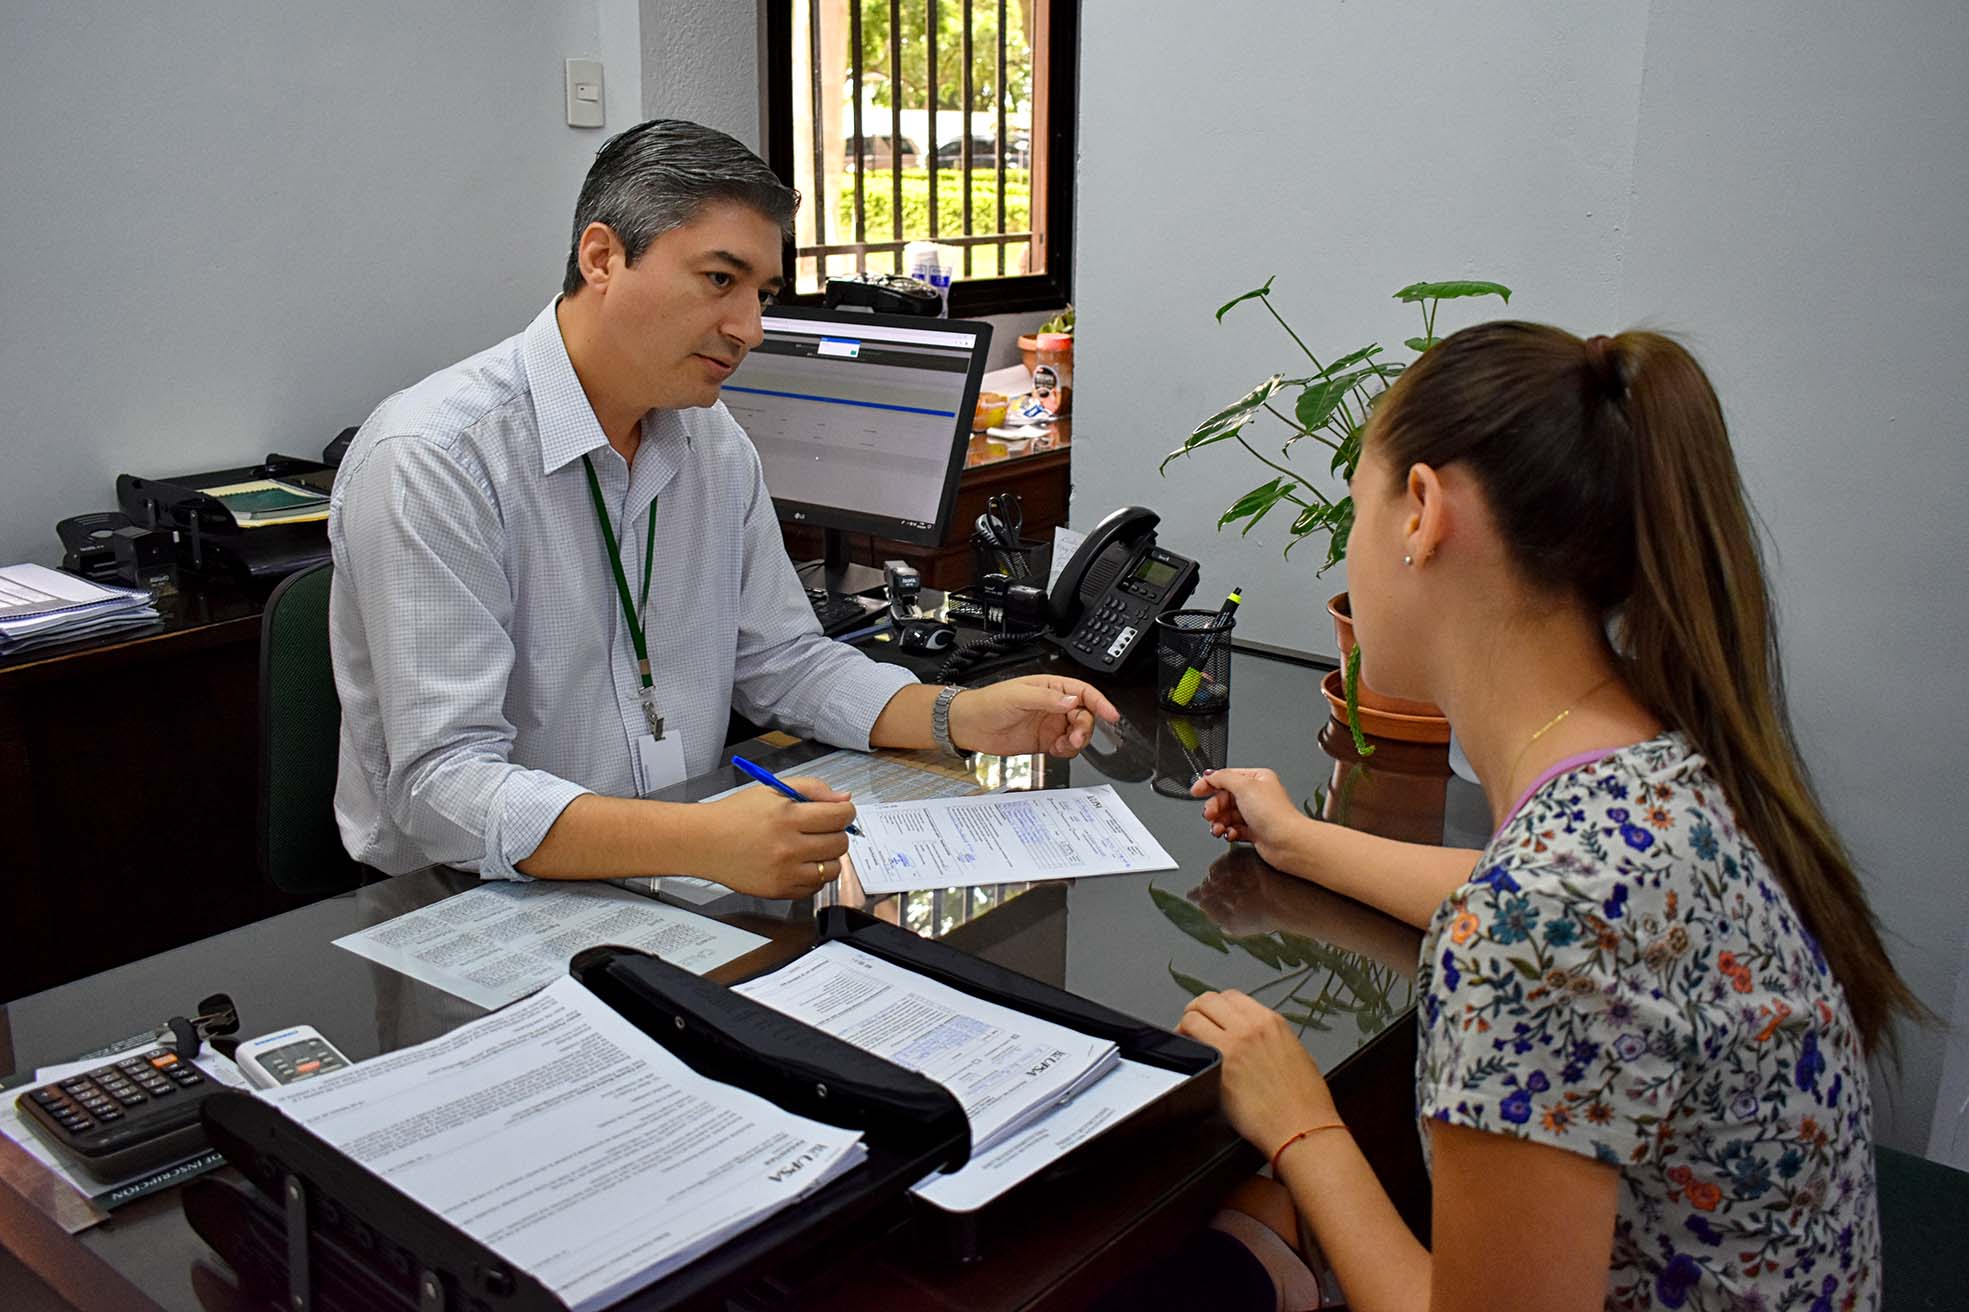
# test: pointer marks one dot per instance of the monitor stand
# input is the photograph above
(834, 560)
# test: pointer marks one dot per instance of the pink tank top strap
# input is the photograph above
(1552, 772)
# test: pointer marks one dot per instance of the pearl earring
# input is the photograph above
(1408, 560)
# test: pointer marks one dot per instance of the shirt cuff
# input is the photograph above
(853, 705)
(524, 809)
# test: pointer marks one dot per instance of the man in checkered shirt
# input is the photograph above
(495, 715)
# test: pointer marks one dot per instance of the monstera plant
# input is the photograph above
(1328, 408)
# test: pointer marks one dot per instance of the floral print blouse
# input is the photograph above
(1623, 978)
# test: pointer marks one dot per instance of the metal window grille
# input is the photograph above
(894, 144)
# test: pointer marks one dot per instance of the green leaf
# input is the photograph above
(1228, 421)
(1190, 920)
(1420, 344)
(1449, 291)
(1255, 292)
(1349, 361)
(1525, 968)
(1341, 523)
(1257, 502)
(1305, 1019)
(1191, 984)
(1311, 519)
(1352, 682)
(1262, 947)
(1318, 402)
(1348, 457)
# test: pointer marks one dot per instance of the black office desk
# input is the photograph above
(1122, 940)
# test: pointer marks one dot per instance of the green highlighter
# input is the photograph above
(1193, 676)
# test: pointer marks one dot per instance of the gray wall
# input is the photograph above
(1350, 149)
(1786, 184)
(229, 228)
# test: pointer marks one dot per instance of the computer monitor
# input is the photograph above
(862, 420)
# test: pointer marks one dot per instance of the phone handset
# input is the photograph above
(1102, 611)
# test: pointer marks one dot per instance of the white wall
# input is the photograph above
(1351, 149)
(1787, 184)
(1801, 207)
(229, 228)
(703, 60)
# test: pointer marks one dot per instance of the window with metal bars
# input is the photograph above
(948, 121)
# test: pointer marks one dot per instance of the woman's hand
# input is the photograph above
(1271, 1088)
(1235, 893)
(1037, 713)
(1251, 806)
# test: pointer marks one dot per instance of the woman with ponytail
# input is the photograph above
(1647, 1005)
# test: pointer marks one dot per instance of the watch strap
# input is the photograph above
(940, 721)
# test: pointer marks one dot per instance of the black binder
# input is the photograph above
(210, 540)
(311, 1223)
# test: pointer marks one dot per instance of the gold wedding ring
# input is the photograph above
(820, 868)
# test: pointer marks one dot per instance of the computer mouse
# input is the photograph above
(926, 636)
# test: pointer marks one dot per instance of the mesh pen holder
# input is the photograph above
(1025, 563)
(1193, 661)
(1186, 746)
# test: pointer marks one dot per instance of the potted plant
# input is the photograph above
(1029, 342)
(1329, 408)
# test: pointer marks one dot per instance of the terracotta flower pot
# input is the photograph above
(1343, 632)
(1029, 351)
(1401, 793)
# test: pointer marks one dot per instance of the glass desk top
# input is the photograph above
(1138, 943)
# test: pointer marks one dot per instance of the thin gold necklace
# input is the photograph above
(1553, 723)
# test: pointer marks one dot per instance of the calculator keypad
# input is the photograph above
(81, 1103)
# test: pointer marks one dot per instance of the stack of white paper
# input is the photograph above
(39, 605)
(572, 1144)
(1006, 1068)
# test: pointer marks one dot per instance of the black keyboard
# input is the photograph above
(837, 613)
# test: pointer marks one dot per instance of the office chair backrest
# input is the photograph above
(300, 729)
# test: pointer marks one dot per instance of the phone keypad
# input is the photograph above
(1108, 629)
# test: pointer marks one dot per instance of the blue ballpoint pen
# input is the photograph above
(774, 782)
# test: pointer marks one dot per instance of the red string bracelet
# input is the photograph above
(1311, 1129)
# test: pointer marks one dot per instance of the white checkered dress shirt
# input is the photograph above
(486, 673)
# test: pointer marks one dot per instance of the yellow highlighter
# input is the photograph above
(1193, 676)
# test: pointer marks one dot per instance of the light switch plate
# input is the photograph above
(584, 93)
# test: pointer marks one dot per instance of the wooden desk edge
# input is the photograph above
(39, 1219)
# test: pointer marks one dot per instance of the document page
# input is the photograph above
(1055, 833)
(870, 776)
(1003, 1066)
(571, 1143)
(1104, 1104)
(498, 942)
(881, 776)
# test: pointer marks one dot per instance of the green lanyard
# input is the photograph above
(632, 614)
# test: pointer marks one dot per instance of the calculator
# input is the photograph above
(117, 1120)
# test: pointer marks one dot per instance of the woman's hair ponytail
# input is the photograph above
(1608, 466)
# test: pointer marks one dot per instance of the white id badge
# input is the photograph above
(662, 760)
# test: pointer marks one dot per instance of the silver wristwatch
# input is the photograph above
(940, 722)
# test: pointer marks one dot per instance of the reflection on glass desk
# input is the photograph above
(1140, 943)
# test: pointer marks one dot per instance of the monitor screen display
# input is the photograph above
(861, 421)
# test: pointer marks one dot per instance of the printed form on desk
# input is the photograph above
(871, 776)
(572, 1144)
(1005, 1067)
(501, 941)
(1002, 838)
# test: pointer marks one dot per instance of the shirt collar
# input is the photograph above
(566, 422)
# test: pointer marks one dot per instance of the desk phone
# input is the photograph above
(1102, 611)
(132, 1114)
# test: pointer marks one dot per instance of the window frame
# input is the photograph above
(972, 297)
